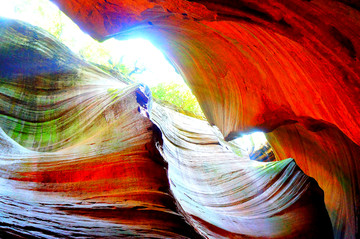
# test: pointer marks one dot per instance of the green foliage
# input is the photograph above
(178, 95)
(48, 17)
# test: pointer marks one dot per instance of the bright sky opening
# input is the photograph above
(139, 53)
(135, 52)
(250, 142)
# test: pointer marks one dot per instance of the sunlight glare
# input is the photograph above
(253, 141)
(143, 53)
(139, 53)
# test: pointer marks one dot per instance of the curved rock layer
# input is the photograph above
(290, 68)
(224, 195)
(89, 167)
(79, 159)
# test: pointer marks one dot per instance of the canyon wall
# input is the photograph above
(288, 68)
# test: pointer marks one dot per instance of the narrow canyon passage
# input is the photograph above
(90, 157)
(84, 154)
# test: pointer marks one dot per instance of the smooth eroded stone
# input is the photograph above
(77, 151)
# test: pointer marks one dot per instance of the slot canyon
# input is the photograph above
(84, 154)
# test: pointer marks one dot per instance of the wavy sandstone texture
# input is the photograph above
(90, 167)
(226, 195)
(290, 68)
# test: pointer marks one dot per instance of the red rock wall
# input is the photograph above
(330, 157)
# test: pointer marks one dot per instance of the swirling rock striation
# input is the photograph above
(77, 152)
(290, 68)
(224, 195)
